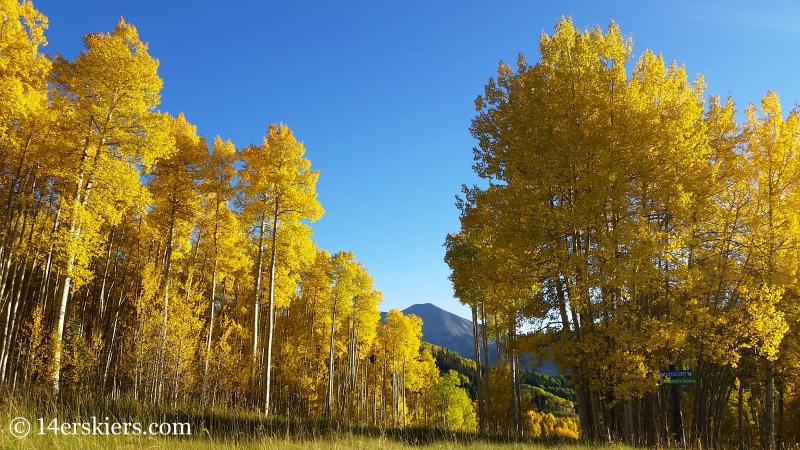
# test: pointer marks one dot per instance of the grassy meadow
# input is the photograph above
(233, 430)
(339, 442)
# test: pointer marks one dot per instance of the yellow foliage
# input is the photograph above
(36, 353)
(547, 425)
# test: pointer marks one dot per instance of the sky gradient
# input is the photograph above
(382, 93)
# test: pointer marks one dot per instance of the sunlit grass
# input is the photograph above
(232, 430)
(344, 441)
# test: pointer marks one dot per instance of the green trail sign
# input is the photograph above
(676, 377)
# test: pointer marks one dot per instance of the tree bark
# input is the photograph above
(329, 402)
(487, 366)
(271, 307)
(739, 411)
(478, 373)
(256, 307)
(769, 413)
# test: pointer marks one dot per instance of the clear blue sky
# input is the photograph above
(382, 92)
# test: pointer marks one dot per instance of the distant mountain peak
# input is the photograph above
(440, 322)
(447, 330)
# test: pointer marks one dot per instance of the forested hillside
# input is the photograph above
(630, 224)
(537, 388)
(452, 332)
(546, 402)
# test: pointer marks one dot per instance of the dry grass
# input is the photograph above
(231, 430)
(347, 441)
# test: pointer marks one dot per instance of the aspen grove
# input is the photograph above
(630, 225)
(138, 261)
(627, 224)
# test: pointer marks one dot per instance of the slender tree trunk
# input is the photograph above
(213, 299)
(14, 313)
(6, 241)
(62, 315)
(628, 413)
(782, 424)
(404, 391)
(329, 403)
(383, 391)
(6, 244)
(100, 304)
(48, 266)
(578, 381)
(512, 359)
(210, 323)
(110, 349)
(739, 411)
(478, 374)
(769, 413)
(487, 366)
(81, 201)
(394, 392)
(676, 393)
(165, 289)
(271, 307)
(256, 307)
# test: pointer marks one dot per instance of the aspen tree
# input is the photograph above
(24, 123)
(311, 310)
(174, 186)
(360, 329)
(422, 375)
(153, 281)
(107, 99)
(399, 343)
(636, 226)
(277, 188)
(772, 149)
(452, 404)
(217, 173)
(462, 258)
(343, 288)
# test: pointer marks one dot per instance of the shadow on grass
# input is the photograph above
(236, 426)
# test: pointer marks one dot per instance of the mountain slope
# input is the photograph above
(447, 330)
(444, 329)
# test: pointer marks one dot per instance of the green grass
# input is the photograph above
(221, 429)
(343, 441)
